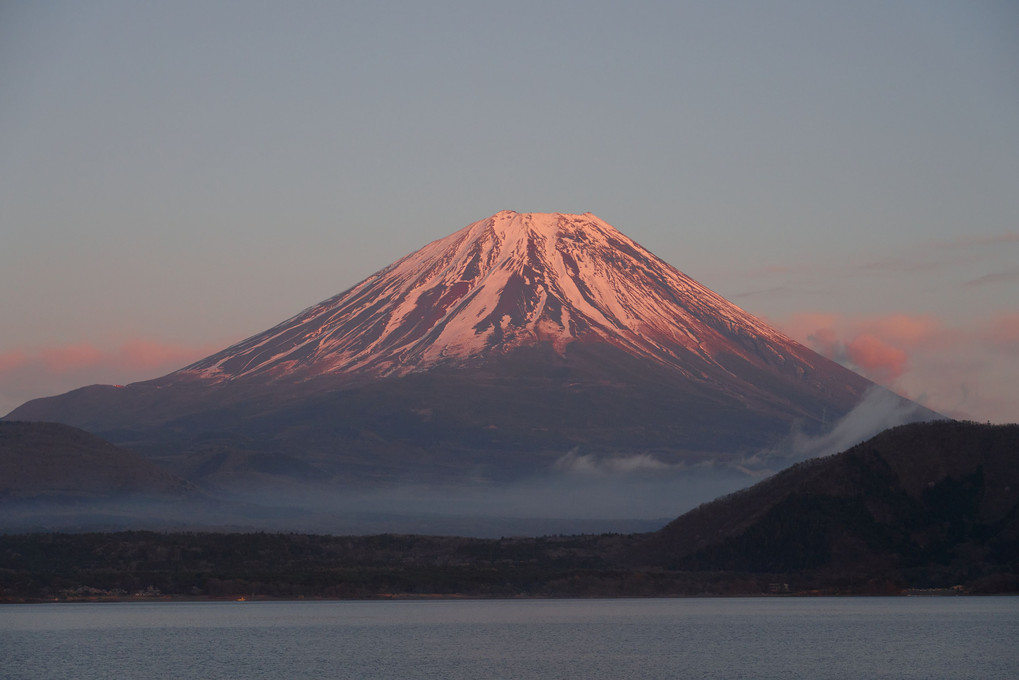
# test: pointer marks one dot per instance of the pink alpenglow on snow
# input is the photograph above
(511, 280)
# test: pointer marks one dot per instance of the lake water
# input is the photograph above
(918, 637)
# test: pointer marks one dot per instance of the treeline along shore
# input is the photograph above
(150, 565)
(266, 565)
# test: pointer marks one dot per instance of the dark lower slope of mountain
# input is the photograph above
(928, 504)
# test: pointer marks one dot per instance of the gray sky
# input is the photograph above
(177, 176)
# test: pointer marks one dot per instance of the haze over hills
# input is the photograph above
(524, 349)
(921, 506)
(54, 476)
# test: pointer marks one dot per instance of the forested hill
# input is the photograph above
(917, 500)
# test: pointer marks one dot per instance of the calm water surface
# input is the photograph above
(960, 637)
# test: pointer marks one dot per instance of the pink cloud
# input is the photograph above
(904, 330)
(29, 373)
(877, 358)
(962, 371)
(131, 356)
(13, 359)
(878, 346)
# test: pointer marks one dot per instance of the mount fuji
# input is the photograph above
(522, 344)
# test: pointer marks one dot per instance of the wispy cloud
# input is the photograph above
(764, 292)
(29, 373)
(934, 255)
(1007, 238)
(586, 464)
(967, 254)
(1006, 276)
(877, 411)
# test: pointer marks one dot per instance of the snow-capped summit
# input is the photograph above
(511, 280)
